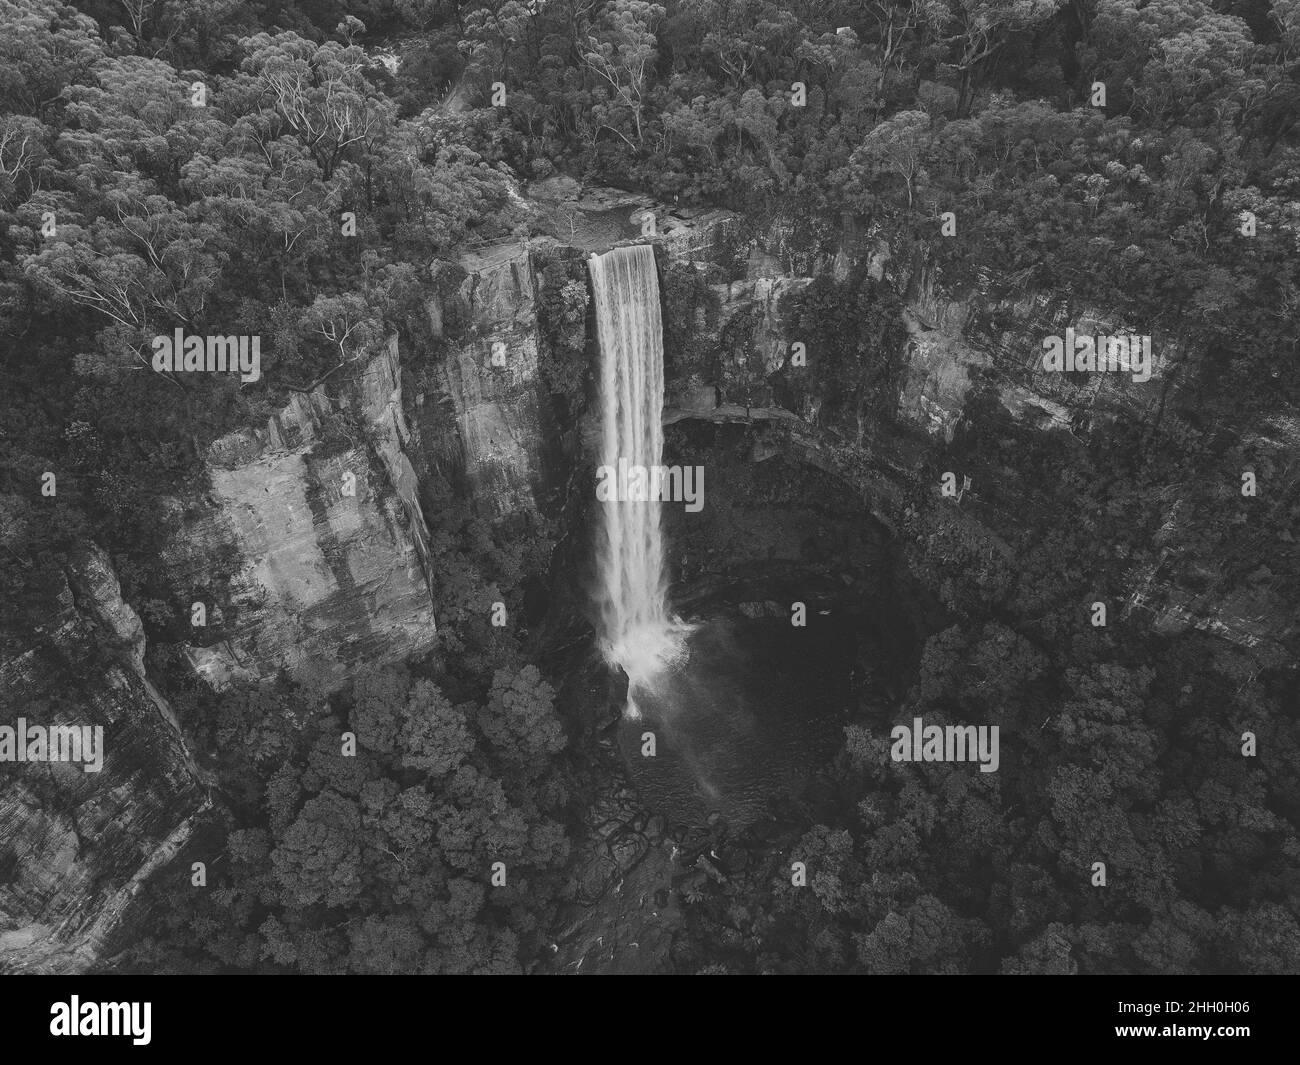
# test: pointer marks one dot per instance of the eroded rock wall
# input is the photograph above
(74, 846)
(308, 550)
(491, 377)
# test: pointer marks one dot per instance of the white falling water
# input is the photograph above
(638, 632)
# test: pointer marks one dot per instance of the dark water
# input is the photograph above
(759, 706)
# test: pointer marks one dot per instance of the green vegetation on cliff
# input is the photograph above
(304, 202)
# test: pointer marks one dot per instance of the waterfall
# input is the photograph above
(637, 630)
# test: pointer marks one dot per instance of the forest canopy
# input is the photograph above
(295, 168)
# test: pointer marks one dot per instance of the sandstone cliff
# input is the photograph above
(75, 846)
(308, 551)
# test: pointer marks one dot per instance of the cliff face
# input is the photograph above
(490, 377)
(991, 333)
(955, 337)
(740, 331)
(75, 846)
(489, 419)
(998, 333)
(307, 552)
(308, 555)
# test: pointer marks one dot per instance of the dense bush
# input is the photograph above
(127, 211)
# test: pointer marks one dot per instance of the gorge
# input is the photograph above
(787, 521)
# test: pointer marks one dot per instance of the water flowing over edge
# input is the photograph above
(637, 631)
